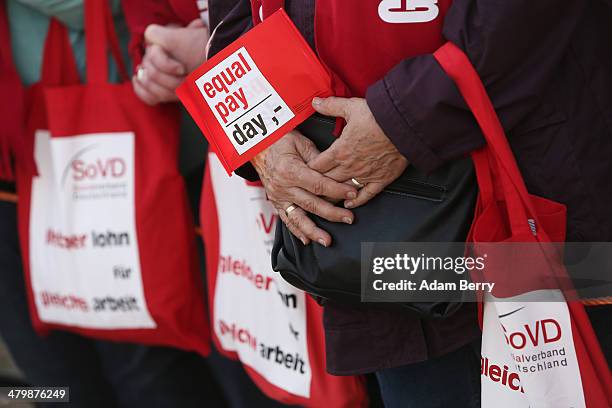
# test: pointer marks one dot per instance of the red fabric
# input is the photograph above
(140, 14)
(171, 282)
(351, 34)
(326, 390)
(505, 206)
(11, 104)
(292, 70)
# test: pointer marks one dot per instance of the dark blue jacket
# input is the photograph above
(547, 66)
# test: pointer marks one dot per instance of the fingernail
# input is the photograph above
(347, 220)
(349, 204)
(316, 101)
(303, 241)
(351, 195)
(322, 242)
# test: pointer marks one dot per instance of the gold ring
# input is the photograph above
(141, 73)
(357, 183)
(290, 208)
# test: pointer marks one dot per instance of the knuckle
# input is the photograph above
(154, 51)
(308, 147)
(297, 222)
(310, 205)
(318, 188)
(369, 194)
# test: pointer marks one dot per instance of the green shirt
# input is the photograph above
(29, 21)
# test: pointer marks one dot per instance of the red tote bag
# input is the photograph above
(11, 105)
(106, 232)
(274, 329)
(571, 369)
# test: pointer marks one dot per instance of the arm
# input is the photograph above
(514, 45)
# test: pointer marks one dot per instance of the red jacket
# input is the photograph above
(140, 14)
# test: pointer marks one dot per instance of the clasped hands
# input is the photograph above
(299, 179)
(171, 52)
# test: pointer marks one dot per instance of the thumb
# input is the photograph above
(332, 106)
(160, 35)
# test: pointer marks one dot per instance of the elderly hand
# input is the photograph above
(362, 152)
(187, 44)
(158, 76)
(171, 53)
(290, 182)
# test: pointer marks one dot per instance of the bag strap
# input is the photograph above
(11, 107)
(497, 156)
(58, 64)
(99, 35)
(6, 57)
(501, 160)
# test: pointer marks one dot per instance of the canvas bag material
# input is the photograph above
(106, 232)
(12, 104)
(573, 371)
(275, 330)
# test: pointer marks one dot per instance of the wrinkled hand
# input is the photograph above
(362, 151)
(186, 45)
(160, 77)
(289, 181)
(171, 53)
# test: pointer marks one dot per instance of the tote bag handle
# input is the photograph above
(59, 65)
(495, 158)
(100, 33)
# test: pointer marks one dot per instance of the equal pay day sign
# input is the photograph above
(254, 91)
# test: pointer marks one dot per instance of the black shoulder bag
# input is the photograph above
(417, 207)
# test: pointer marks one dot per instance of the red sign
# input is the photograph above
(256, 90)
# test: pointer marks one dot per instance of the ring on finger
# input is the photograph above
(357, 183)
(141, 74)
(289, 209)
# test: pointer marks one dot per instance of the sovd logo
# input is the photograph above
(541, 332)
(98, 168)
(408, 11)
(114, 167)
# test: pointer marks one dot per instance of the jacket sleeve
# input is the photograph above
(514, 45)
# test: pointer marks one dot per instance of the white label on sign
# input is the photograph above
(245, 104)
(408, 11)
(84, 258)
(257, 314)
(528, 354)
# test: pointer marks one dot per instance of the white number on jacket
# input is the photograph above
(408, 11)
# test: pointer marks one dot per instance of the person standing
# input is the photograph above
(169, 40)
(99, 373)
(548, 75)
